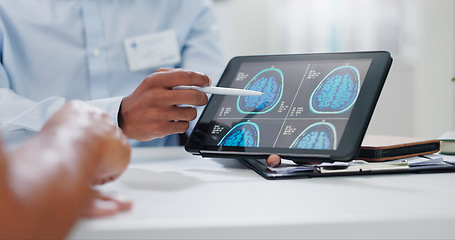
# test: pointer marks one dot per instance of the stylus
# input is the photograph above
(222, 90)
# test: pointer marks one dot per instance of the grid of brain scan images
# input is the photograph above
(305, 105)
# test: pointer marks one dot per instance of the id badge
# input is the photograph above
(152, 50)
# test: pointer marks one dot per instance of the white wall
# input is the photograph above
(433, 90)
(418, 97)
(245, 30)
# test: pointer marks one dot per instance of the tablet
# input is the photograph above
(315, 107)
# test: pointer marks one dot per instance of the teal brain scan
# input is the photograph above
(337, 92)
(270, 82)
(245, 134)
(320, 136)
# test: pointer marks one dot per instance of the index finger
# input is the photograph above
(179, 77)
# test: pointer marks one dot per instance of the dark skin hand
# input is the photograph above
(152, 110)
(45, 183)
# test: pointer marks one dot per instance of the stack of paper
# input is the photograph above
(448, 142)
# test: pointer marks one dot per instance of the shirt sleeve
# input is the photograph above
(22, 118)
(202, 51)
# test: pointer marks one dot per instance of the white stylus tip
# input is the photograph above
(222, 90)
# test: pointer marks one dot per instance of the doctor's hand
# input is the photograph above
(152, 110)
(274, 160)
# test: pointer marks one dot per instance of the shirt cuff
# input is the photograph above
(110, 105)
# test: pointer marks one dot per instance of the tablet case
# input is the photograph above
(383, 148)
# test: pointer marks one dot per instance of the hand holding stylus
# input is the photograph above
(155, 110)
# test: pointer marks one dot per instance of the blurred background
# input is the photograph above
(418, 98)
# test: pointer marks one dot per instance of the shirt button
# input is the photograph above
(96, 52)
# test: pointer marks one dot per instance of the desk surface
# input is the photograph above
(177, 195)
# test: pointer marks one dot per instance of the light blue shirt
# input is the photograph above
(55, 51)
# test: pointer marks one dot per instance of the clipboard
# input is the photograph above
(434, 163)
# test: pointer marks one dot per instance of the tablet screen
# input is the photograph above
(306, 105)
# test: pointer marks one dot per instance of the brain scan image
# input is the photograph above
(270, 82)
(245, 134)
(321, 136)
(337, 92)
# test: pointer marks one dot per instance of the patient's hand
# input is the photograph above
(91, 130)
(106, 204)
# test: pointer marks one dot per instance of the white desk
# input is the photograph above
(177, 195)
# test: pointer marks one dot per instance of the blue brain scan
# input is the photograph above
(320, 136)
(337, 92)
(270, 82)
(245, 134)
